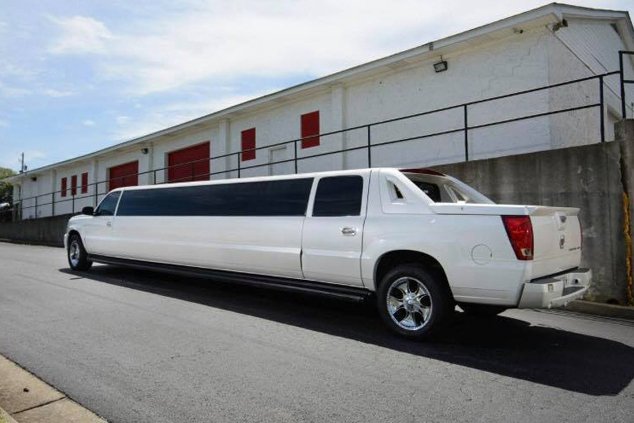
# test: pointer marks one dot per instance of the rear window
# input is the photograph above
(444, 189)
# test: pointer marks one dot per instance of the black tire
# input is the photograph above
(482, 310)
(76, 254)
(414, 319)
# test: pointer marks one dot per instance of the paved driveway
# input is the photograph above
(138, 346)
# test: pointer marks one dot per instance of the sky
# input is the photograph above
(77, 76)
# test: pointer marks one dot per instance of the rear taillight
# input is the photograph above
(520, 232)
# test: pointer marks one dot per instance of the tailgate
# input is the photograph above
(556, 238)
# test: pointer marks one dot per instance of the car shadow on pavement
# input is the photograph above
(501, 345)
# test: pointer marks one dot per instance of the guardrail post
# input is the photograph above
(53, 204)
(239, 156)
(36, 206)
(622, 76)
(601, 106)
(73, 202)
(466, 134)
(369, 146)
(295, 156)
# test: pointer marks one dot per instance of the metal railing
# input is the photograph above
(368, 145)
(623, 80)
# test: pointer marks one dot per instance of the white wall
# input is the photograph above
(582, 49)
(515, 63)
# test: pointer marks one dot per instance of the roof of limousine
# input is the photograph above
(425, 171)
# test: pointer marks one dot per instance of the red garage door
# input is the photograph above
(189, 164)
(124, 175)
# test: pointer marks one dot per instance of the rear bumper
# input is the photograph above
(555, 291)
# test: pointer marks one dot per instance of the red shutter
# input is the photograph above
(84, 182)
(248, 144)
(73, 185)
(310, 129)
(189, 164)
(64, 186)
(124, 175)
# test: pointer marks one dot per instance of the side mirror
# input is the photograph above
(88, 210)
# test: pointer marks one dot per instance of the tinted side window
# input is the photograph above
(339, 196)
(108, 205)
(266, 198)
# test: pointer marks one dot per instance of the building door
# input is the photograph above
(278, 154)
(189, 164)
(124, 175)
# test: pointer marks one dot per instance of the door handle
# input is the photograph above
(108, 224)
(348, 231)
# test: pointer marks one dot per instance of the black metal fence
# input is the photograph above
(50, 199)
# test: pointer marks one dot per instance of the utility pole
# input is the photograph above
(22, 166)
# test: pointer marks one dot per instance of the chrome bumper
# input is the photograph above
(555, 291)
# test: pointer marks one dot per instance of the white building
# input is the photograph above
(549, 45)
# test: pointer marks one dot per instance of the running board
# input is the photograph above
(347, 293)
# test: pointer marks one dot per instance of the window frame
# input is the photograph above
(64, 186)
(116, 206)
(73, 185)
(362, 196)
(84, 183)
(248, 143)
(238, 199)
(310, 139)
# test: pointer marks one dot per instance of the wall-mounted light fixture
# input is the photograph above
(441, 66)
(34, 178)
(145, 150)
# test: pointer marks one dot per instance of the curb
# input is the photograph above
(601, 309)
(5, 417)
(26, 398)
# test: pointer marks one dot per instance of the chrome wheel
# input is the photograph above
(74, 253)
(409, 303)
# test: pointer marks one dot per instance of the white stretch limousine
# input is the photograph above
(420, 240)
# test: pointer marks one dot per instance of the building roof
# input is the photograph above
(548, 14)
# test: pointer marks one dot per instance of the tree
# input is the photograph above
(6, 189)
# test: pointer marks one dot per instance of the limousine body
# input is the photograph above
(417, 241)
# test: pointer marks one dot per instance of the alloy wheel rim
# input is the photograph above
(409, 303)
(74, 253)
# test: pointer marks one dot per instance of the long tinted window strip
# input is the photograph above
(339, 196)
(267, 198)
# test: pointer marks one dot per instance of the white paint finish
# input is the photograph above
(315, 248)
(267, 245)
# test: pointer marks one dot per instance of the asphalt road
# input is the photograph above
(138, 346)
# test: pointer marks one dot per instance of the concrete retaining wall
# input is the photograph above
(47, 230)
(588, 177)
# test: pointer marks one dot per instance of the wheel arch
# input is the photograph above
(394, 258)
(74, 232)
